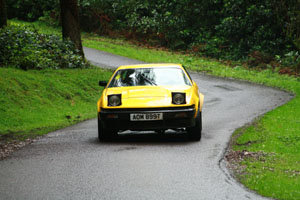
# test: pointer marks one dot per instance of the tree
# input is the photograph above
(70, 23)
(3, 16)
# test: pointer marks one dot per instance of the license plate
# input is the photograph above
(146, 117)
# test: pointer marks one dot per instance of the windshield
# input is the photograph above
(150, 76)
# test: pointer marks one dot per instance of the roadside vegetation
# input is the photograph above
(44, 84)
(269, 149)
(262, 33)
(24, 48)
(35, 102)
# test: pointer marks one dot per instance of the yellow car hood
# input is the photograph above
(147, 96)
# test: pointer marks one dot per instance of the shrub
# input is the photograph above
(25, 48)
(291, 60)
(225, 29)
(29, 10)
(249, 26)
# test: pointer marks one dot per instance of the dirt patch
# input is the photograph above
(235, 158)
(6, 148)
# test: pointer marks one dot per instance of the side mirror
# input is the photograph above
(103, 83)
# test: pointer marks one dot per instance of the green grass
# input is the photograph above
(34, 102)
(41, 26)
(276, 133)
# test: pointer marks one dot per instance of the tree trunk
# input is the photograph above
(3, 16)
(70, 23)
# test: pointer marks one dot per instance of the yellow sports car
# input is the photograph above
(150, 97)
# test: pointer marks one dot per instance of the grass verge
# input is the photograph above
(273, 140)
(34, 102)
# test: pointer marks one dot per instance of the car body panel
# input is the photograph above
(145, 96)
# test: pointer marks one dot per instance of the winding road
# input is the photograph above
(72, 164)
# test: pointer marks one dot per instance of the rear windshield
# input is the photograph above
(158, 76)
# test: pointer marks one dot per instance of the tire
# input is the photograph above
(105, 134)
(194, 133)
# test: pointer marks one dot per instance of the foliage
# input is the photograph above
(170, 22)
(29, 10)
(93, 15)
(3, 14)
(25, 48)
(51, 17)
(288, 16)
(250, 26)
(229, 29)
(226, 29)
(291, 59)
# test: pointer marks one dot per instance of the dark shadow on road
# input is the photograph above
(146, 138)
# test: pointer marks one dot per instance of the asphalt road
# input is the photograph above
(72, 164)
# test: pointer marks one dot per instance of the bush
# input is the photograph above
(249, 26)
(291, 60)
(226, 29)
(29, 10)
(25, 48)
(174, 23)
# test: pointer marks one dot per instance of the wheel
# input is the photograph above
(105, 134)
(194, 133)
(102, 134)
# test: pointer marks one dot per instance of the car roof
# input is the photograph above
(150, 65)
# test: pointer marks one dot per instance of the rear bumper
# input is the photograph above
(177, 117)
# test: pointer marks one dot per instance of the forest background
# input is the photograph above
(263, 33)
